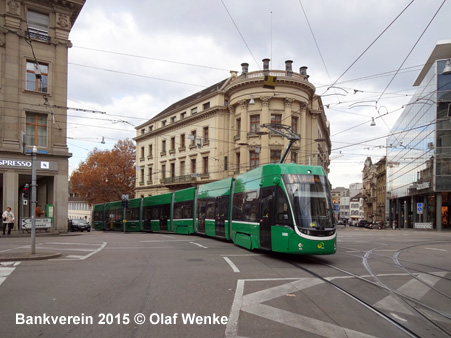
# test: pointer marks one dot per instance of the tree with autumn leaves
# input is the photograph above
(106, 174)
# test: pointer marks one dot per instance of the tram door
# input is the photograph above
(164, 216)
(201, 209)
(221, 215)
(266, 217)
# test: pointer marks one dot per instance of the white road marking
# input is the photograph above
(77, 257)
(166, 240)
(413, 288)
(242, 255)
(7, 268)
(205, 247)
(397, 317)
(64, 249)
(233, 266)
(60, 243)
(436, 249)
(252, 303)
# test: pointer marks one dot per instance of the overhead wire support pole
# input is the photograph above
(287, 133)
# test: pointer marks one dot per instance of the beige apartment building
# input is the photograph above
(217, 132)
(34, 42)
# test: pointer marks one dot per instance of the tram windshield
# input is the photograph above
(311, 200)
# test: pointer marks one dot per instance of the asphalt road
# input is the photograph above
(381, 283)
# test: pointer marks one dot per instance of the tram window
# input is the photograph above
(183, 210)
(155, 214)
(251, 206)
(210, 213)
(282, 210)
(188, 209)
(202, 208)
(238, 204)
(222, 206)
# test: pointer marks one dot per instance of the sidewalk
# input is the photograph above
(24, 253)
(27, 256)
(39, 233)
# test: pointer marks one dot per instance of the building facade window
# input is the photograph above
(276, 119)
(37, 78)
(238, 160)
(150, 151)
(173, 119)
(294, 124)
(254, 158)
(38, 24)
(193, 166)
(206, 105)
(163, 123)
(238, 127)
(294, 157)
(182, 115)
(193, 110)
(182, 168)
(172, 169)
(150, 180)
(163, 171)
(141, 179)
(255, 124)
(163, 146)
(206, 135)
(205, 163)
(36, 133)
(193, 141)
(275, 156)
(182, 140)
(173, 143)
(142, 153)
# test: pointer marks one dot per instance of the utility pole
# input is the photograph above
(34, 151)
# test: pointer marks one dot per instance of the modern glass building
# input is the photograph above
(419, 150)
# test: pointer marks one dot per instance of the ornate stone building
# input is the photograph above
(34, 42)
(217, 132)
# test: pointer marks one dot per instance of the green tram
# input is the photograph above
(277, 207)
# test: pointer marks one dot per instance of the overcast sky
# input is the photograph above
(132, 59)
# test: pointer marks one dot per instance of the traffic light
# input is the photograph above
(125, 203)
(25, 191)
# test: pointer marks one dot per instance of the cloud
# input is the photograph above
(176, 48)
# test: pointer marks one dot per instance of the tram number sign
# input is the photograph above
(420, 208)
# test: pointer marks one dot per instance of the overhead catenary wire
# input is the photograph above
(239, 32)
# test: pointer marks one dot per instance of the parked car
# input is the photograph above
(79, 225)
(362, 223)
(378, 225)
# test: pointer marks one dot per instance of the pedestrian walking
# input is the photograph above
(8, 220)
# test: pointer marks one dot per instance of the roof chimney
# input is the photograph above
(303, 72)
(266, 66)
(289, 67)
(245, 68)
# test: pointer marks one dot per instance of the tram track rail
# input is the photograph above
(415, 305)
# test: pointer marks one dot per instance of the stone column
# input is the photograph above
(286, 119)
(265, 118)
(303, 156)
(244, 151)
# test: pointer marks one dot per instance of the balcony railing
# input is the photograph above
(252, 134)
(36, 35)
(178, 179)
